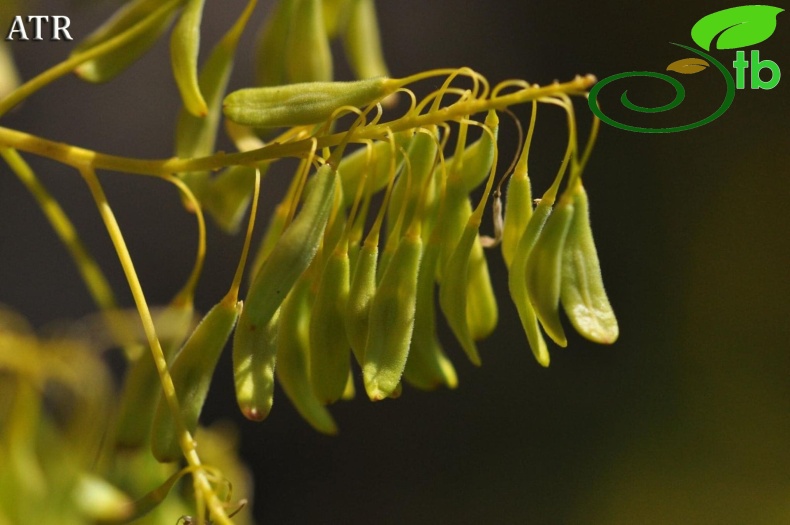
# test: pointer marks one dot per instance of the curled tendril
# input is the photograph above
(680, 94)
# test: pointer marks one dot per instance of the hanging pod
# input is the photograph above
(374, 169)
(253, 369)
(582, 292)
(454, 213)
(196, 135)
(335, 16)
(478, 158)
(329, 346)
(153, 17)
(291, 254)
(308, 57)
(350, 391)
(520, 230)
(335, 228)
(482, 312)
(293, 358)
(466, 295)
(361, 292)
(453, 291)
(517, 276)
(362, 41)
(302, 103)
(289, 258)
(411, 186)
(544, 269)
(142, 387)
(467, 168)
(191, 372)
(270, 51)
(428, 367)
(518, 203)
(518, 212)
(184, 48)
(392, 320)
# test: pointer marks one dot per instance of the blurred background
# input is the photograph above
(686, 419)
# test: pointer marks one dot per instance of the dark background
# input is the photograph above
(684, 420)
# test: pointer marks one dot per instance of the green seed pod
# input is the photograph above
(350, 391)
(335, 228)
(362, 40)
(335, 16)
(153, 13)
(184, 48)
(392, 320)
(289, 258)
(428, 367)
(196, 135)
(191, 371)
(465, 173)
(478, 158)
(304, 103)
(293, 359)
(482, 313)
(355, 166)
(363, 288)
(292, 253)
(308, 57)
(517, 280)
(270, 51)
(453, 291)
(518, 211)
(544, 270)
(454, 213)
(422, 152)
(142, 388)
(253, 368)
(582, 292)
(329, 347)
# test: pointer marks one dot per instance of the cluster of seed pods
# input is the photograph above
(379, 220)
(337, 281)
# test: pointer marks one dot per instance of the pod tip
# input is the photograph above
(253, 414)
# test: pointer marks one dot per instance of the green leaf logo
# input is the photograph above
(736, 27)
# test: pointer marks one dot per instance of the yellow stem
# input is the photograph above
(91, 273)
(81, 157)
(188, 291)
(202, 484)
(234, 289)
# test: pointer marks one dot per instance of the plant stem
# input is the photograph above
(81, 157)
(91, 273)
(202, 484)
